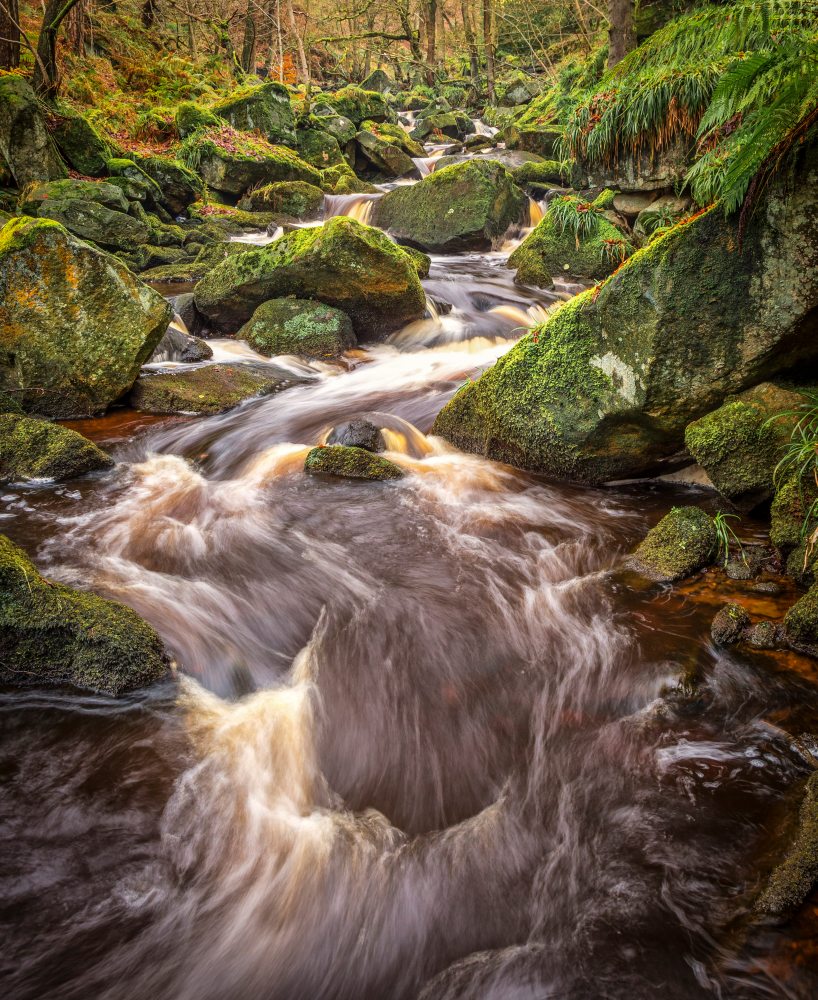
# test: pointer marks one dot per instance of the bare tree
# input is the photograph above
(621, 33)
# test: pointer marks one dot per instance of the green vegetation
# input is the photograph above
(349, 462)
(681, 543)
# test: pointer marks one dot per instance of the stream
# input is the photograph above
(427, 738)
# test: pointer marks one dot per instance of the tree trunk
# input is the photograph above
(411, 34)
(430, 17)
(148, 13)
(471, 44)
(303, 65)
(248, 49)
(488, 45)
(9, 35)
(46, 78)
(621, 33)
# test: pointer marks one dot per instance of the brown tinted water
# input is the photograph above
(426, 738)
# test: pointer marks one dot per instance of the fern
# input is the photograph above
(580, 218)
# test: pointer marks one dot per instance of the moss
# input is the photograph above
(80, 143)
(186, 271)
(178, 185)
(122, 167)
(801, 621)
(793, 500)
(681, 543)
(542, 172)
(297, 326)
(384, 155)
(264, 109)
(604, 200)
(101, 192)
(358, 105)
(729, 625)
(293, 198)
(341, 179)
(36, 449)
(232, 221)
(191, 117)
(319, 148)
(53, 635)
(792, 881)
(421, 260)
(394, 134)
(351, 463)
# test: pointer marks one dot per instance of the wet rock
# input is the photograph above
(320, 148)
(177, 345)
(343, 264)
(542, 172)
(454, 124)
(768, 587)
(379, 81)
(178, 186)
(384, 155)
(729, 625)
(464, 206)
(681, 543)
(265, 109)
(82, 147)
(210, 388)
(765, 635)
(801, 621)
(357, 434)
(792, 880)
(351, 463)
(738, 569)
(802, 563)
(298, 326)
(358, 105)
(75, 324)
(598, 393)
(792, 518)
(53, 635)
(25, 141)
(189, 314)
(534, 139)
(293, 198)
(31, 448)
(422, 262)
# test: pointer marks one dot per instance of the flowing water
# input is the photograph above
(426, 739)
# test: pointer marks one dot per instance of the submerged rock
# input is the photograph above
(209, 389)
(25, 142)
(681, 543)
(31, 448)
(357, 434)
(792, 880)
(351, 463)
(75, 324)
(343, 264)
(53, 635)
(298, 326)
(467, 205)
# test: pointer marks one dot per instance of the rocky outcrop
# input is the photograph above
(31, 448)
(468, 205)
(75, 324)
(25, 142)
(659, 170)
(264, 109)
(351, 463)
(343, 264)
(607, 386)
(53, 635)
(298, 326)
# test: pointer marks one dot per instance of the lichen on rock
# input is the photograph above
(31, 448)
(298, 326)
(680, 544)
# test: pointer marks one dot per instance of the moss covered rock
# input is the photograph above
(191, 271)
(681, 543)
(53, 635)
(792, 512)
(230, 221)
(533, 139)
(351, 463)
(31, 448)
(26, 145)
(467, 205)
(178, 186)
(385, 155)
(265, 109)
(82, 147)
(453, 124)
(355, 268)
(293, 198)
(341, 128)
(191, 117)
(359, 105)
(739, 445)
(101, 192)
(396, 135)
(542, 172)
(801, 621)
(298, 326)
(342, 179)
(729, 625)
(92, 220)
(792, 881)
(75, 324)
(607, 386)
(319, 148)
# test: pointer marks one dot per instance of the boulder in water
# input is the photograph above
(465, 206)
(681, 543)
(81, 145)
(357, 434)
(384, 154)
(31, 448)
(801, 621)
(25, 141)
(265, 109)
(729, 625)
(75, 324)
(343, 264)
(454, 124)
(53, 635)
(298, 326)
(351, 463)
(293, 198)
(177, 345)
(793, 880)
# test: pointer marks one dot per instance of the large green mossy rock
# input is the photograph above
(533, 139)
(209, 389)
(31, 448)
(739, 445)
(292, 198)
(379, 81)
(469, 205)
(178, 185)
(265, 109)
(542, 172)
(53, 635)
(452, 124)
(100, 192)
(793, 510)
(25, 141)
(349, 462)
(298, 326)
(607, 386)
(342, 179)
(191, 117)
(549, 251)
(801, 621)
(231, 161)
(384, 154)
(792, 881)
(359, 105)
(681, 543)
(343, 264)
(319, 148)
(341, 128)
(82, 147)
(75, 323)
(396, 135)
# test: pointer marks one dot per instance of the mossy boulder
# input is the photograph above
(210, 388)
(343, 264)
(739, 445)
(351, 463)
(551, 249)
(75, 324)
(229, 220)
(453, 124)
(265, 109)
(680, 544)
(379, 81)
(341, 128)
(298, 326)
(293, 198)
(358, 105)
(83, 208)
(178, 186)
(792, 512)
(31, 448)
(792, 880)
(606, 387)
(53, 635)
(385, 155)
(26, 145)
(191, 117)
(396, 135)
(730, 625)
(231, 161)
(319, 148)
(101, 192)
(537, 139)
(421, 260)
(801, 621)
(468, 205)
(542, 172)
(187, 271)
(342, 179)
(82, 147)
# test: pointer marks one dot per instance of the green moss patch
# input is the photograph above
(681, 543)
(36, 449)
(351, 463)
(296, 326)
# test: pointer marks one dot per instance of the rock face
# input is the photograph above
(681, 543)
(351, 463)
(50, 634)
(343, 264)
(463, 206)
(37, 449)
(75, 324)
(609, 383)
(25, 142)
(650, 172)
(534, 139)
(81, 145)
(265, 109)
(298, 326)
(293, 198)
(210, 388)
